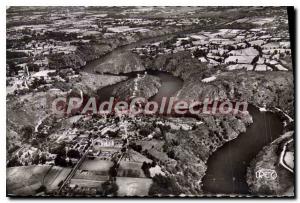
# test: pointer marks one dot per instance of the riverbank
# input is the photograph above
(101, 48)
(210, 136)
(227, 166)
(268, 159)
(240, 85)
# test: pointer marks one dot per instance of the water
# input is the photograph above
(169, 86)
(226, 173)
(227, 167)
(91, 67)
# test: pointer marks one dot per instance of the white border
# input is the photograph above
(150, 3)
(114, 3)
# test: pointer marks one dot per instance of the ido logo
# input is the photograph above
(268, 174)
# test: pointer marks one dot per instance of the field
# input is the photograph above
(55, 176)
(132, 169)
(133, 186)
(27, 179)
(96, 165)
(87, 183)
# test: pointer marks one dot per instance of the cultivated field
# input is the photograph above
(133, 186)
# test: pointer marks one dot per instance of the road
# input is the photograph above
(282, 155)
(73, 171)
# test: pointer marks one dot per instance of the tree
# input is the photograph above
(145, 131)
(14, 162)
(33, 67)
(109, 188)
(41, 189)
(37, 82)
(145, 167)
(113, 171)
(72, 153)
(43, 158)
(27, 132)
(13, 69)
(281, 55)
(255, 59)
(164, 185)
(199, 53)
(60, 161)
(184, 42)
(136, 147)
(36, 159)
(171, 154)
(60, 149)
(13, 55)
(34, 142)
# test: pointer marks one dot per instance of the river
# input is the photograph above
(170, 85)
(226, 172)
(91, 67)
(227, 167)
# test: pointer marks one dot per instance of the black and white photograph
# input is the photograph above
(150, 101)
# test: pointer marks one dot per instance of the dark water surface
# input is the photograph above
(170, 85)
(226, 173)
(91, 67)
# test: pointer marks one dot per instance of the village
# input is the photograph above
(34, 49)
(121, 154)
(94, 146)
(253, 50)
